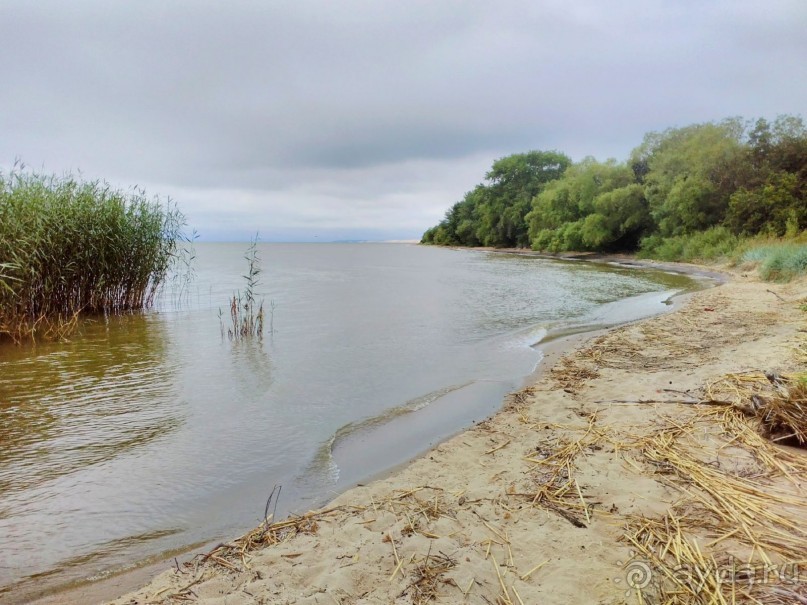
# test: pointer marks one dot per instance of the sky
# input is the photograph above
(321, 120)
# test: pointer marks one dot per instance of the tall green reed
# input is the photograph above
(246, 315)
(69, 246)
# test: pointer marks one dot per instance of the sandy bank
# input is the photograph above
(571, 490)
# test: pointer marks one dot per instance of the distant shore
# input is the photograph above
(533, 505)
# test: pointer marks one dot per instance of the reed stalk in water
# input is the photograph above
(246, 316)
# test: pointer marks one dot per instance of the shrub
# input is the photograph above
(779, 262)
(712, 244)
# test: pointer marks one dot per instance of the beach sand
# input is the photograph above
(544, 502)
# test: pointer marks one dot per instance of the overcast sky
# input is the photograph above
(351, 119)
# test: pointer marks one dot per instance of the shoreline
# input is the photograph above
(718, 274)
(552, 348)
(468, 521)
(111, 587)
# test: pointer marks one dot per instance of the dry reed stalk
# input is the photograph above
(671, 567)
(266, 534)
(691, 554)
(767, 516)
(428, 575)
(648, 347)
(571, 372)
(800, 350)
(520, 398)
(557, 490)
(664, 345)
(423, 502)
(778, 402)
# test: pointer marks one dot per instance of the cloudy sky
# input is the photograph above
(325, 119)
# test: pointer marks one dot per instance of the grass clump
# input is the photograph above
(779, 262)
(777, 259)
(69, 246)
(711, 245)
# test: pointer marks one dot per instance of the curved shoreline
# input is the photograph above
(621, 260)
(552, 347)
(465, 523)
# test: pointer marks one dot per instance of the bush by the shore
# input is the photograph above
(782, 262)
(69, 246)
(712, 244)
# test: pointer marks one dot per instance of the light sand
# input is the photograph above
(461, 524)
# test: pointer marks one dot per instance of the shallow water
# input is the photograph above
(148, 433)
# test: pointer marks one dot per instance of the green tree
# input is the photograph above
(512, 183)
(492, 214)
(770, 208)
(704, 184)
(620, 218)
(594, 206)
(771, 196)
(691, 173)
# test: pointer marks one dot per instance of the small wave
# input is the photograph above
(535, 335)
(607, 315)
(323, 466)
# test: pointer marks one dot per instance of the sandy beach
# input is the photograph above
(632, 459)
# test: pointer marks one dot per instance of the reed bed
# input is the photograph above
(69, 246)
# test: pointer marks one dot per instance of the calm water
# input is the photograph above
(150, 433)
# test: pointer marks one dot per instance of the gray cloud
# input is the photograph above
(315, 113)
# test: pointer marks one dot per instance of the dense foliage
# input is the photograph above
(492, 214)
(706, 184)
(68, 246)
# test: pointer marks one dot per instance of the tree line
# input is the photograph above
(735, 178)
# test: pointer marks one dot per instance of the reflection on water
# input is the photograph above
(103, 551)
(66, 409)
(55, 400)
(147, 433)
(250, 368)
